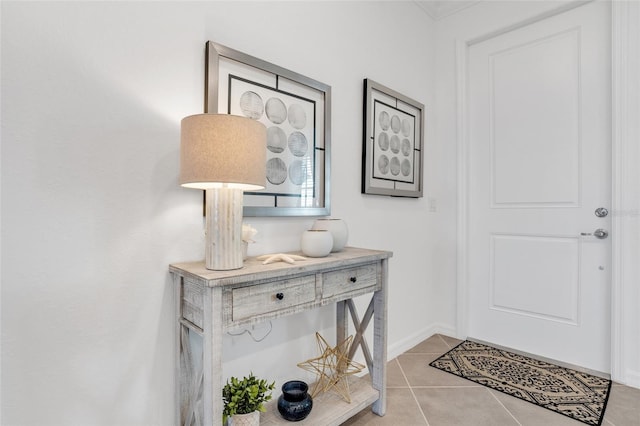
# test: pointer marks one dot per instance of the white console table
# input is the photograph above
(210, 303)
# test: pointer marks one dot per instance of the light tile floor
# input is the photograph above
(422, 395)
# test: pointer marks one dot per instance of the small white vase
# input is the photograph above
(316, 242)
(251, 419)
(337, 228)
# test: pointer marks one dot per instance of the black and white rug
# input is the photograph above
(572, 393)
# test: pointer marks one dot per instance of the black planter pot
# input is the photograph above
(295, 403)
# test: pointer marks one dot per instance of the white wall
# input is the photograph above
(92, 213)
(626, 234)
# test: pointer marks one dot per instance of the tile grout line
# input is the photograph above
(505, 408)
(443, 341)
(415, 399)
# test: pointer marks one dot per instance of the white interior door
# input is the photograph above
(540, 161)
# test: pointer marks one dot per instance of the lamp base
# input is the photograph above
(223, 251)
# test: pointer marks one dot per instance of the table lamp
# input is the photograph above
(224, 155)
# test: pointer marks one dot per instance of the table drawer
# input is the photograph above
(347, 280)
(192, 302)
(267, 297)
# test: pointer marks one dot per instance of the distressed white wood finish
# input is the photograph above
(361, 327)
(255, 300)
(333, 283)
(212, 302)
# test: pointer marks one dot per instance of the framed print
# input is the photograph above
(296, 111)
(393, 153)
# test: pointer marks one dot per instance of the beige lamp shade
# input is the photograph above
(221, 150)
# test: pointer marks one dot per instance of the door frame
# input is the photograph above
(623, 110)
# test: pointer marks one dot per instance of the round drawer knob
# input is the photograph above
(280, 296)
(353, 279)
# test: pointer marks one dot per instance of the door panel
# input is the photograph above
(516, 284)
(539, 146)
(542, 78)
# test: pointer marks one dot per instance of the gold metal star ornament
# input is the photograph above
(332, 367)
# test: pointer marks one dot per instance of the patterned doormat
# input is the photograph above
(578, 395)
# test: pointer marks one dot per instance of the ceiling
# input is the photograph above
(438, 9)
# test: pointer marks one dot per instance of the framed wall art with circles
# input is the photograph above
(297, 113)
(393, 151)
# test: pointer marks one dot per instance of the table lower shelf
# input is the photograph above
(329, 408)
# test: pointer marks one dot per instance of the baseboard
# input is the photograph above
(409, 342)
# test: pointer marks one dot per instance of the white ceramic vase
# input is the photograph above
(337, 228)
(316, 243)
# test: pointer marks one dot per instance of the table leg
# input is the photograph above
(379, 373)
(342, 325)
(212, 357)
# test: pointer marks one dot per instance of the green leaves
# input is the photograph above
(245, 396)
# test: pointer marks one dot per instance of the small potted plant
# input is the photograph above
(245, 399)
